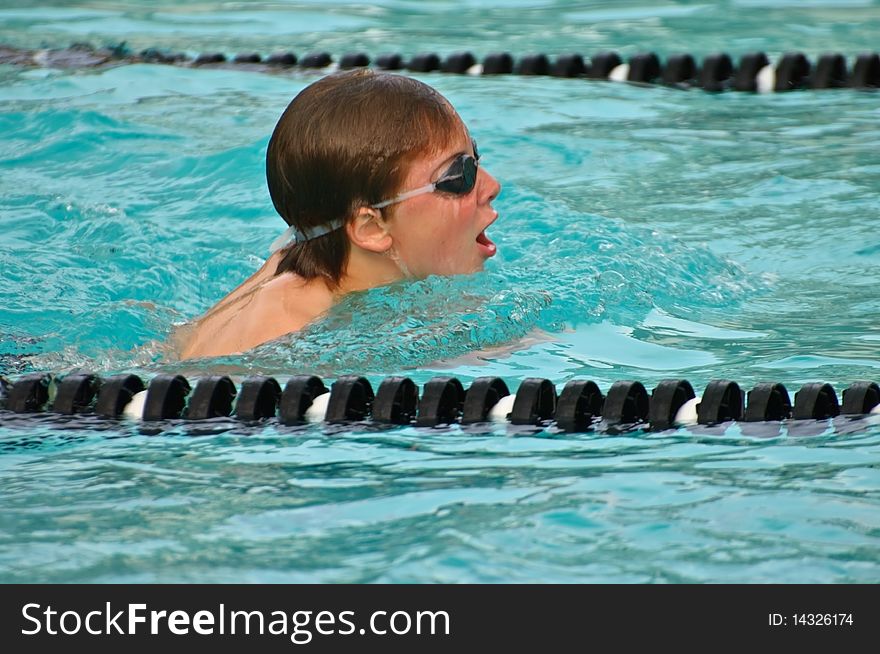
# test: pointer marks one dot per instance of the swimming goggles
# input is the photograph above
(459, 179)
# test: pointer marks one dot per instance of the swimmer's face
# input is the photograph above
(441, 233)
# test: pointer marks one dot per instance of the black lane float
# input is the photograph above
(579, 407)
(754, 72)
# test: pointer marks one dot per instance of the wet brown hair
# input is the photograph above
(344, 142)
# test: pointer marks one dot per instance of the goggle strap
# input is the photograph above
(295, 235)
(427, 188)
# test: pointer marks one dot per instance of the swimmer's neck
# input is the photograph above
(365, 270)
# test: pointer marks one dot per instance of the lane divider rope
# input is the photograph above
(580, 406)
(754, 72)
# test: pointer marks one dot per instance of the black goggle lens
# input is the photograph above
(460, 177)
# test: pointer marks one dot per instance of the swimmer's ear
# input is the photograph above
(368, 231)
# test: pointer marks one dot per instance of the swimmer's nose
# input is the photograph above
(489, 187)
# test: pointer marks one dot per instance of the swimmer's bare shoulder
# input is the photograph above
(261, 309)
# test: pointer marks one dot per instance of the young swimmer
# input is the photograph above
(378, 179)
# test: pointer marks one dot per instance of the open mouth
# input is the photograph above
(487, 247)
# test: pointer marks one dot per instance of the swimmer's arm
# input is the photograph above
(481, 357)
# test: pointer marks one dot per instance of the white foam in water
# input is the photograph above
(876, 409)
(766, 79)
(619, 73)
(687, 414)
(135, 408)
(502, 409)
(318, 411)
(476, 69)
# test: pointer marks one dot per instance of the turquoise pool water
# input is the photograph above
(645, 233)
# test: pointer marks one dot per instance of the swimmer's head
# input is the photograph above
(340, 164)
